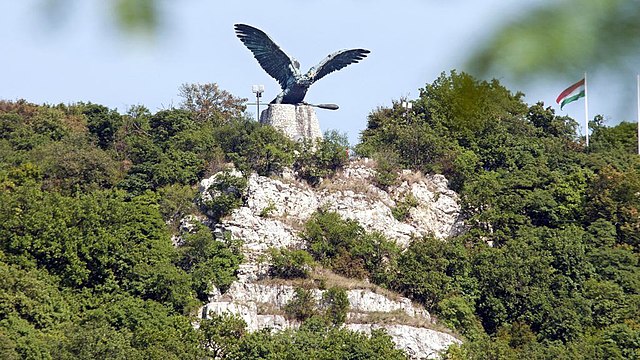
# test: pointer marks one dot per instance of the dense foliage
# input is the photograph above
(314, 340)
(89, 200)
(549, 266)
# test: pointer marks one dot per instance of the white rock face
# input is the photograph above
(353, 195)
(438, 210)
(245, 299)
(365, 301)
(292, 199)
(296, 121)
(418, 343)
(272, 216)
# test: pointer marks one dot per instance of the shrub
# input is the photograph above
(348, 265)
(387, 167)
(209, 261)
(290, 264)
(223, 195)
(270, 208)
(335, 305)
(253, 146)
(302, 306)
(323, 158)
(343, 246)
(175, 202)
(404, 206)
(222, 333)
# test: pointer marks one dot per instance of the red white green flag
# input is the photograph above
(571, 94)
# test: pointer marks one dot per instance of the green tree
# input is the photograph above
(431, 270)
(102, 122)
(209, 103)
(209, 261)
(222, 334)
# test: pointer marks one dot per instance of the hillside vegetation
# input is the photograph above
(89, 199)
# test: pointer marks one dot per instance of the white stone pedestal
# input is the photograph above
(297, 121)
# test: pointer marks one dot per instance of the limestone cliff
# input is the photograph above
(272, 215)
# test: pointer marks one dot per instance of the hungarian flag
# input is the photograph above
(571, 94)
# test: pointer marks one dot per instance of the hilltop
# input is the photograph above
(478, 217)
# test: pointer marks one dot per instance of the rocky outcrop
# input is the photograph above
(272, 217)
(417, 342)
(354, 196)
(298, 122)
(247, 299)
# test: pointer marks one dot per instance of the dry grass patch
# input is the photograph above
(269, 309)
(357, 185)
(411, 177)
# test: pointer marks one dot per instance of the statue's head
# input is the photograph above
(306, 79)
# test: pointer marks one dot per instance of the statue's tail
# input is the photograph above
(324, 106)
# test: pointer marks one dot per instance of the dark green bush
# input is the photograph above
(387, 168)
(290, 264)
(302, 306)
(335, 305)
(322, 158)
(343, 246)
(225, 194)
(401, 211)
(208, 260)
(255, 147)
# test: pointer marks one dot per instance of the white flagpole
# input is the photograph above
(638, 85)
(586, 109)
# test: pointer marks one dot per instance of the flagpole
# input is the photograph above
(586, 109)
(638, 86)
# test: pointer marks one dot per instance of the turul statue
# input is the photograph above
(286, 69)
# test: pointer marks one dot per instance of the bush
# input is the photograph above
(323, 158)
(335, 305)
(302, 306)
(327, 233)
(253, 146)
(344, 247)
(332, 308)
(387, 167)
(223, 195)
(209, 261)
(222, 333)
(430, 270)
(175, 202)
(268, 210)
(458, 314)
(290, 264)
(404, 206)
(102, 122)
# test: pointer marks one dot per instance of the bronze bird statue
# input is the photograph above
(286, 69)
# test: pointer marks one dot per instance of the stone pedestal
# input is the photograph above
(298, 122)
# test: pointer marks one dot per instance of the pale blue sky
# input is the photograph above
(82, 56)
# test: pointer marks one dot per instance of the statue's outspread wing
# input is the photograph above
(337, 61)
(269, 55)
